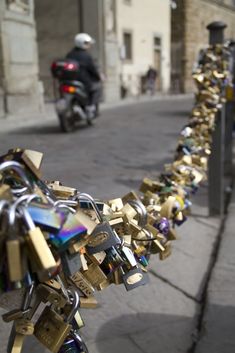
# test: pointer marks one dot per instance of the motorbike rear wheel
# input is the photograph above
(66, 124)
(90, 121)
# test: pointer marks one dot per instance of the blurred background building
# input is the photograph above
(20, 87)
(130, 36)
(189, 35)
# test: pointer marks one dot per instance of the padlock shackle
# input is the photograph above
(25, 198)
(84, 196)
(28, 295)
(141, 210)
(75, 304)
(70, 209)
(27, 218)
(31, 198)
(3, 204)
(72, 203)
(19, 169)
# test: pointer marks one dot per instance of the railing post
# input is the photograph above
(216, 180)
(230, 113)
(216, 167)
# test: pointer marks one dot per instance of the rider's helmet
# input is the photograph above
(83, 41)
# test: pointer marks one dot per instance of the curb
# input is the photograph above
(11, 122)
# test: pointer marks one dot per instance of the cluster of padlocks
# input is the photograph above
(60, 245)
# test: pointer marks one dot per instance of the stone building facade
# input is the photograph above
(33, 33)
(59, 21)
(20, 88)
(143, 30)
(107, 21)
(189, 35)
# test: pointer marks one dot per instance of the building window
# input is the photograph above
(127, 42)
(157, 42)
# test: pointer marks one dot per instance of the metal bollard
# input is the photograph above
(221, 157)
(216, 186)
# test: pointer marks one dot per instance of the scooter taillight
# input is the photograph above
(67, 89)
(70, 66)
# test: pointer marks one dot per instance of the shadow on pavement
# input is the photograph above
(153, 333)
(150, 333)
(175, 113)
(45, 130)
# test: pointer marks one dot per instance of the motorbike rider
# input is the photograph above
(88, 73)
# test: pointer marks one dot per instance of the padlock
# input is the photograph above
(25, 307)
(94, 275)
(141, 211)
(129, 256)
(46, 217)
(82, 284)
(88, 303)
(32, 159)
(4, 225)
(103, 237)
(47, 294)
(113, 260)
(134, 278)
(5, 192)
(15, 342)
(24, 326)
(14, 251)
(71, 263)
(77, 322)
(41, 256)
(73, 344)
(19, 170)
(52, 328)
(71, 231)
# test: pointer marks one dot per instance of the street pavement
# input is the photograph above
(189, 303)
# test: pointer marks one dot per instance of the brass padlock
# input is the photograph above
(14, 250)
(24, 326)
(41, 255)
(52, 328)
(82, 284)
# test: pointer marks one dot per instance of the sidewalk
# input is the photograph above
(218, 315)
(11, 122)
(164, 316)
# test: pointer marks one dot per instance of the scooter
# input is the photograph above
(72, 102)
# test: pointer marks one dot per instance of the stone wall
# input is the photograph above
(195, 15)
(20, 90)
(57, 23)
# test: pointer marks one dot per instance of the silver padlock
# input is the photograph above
(20, 170)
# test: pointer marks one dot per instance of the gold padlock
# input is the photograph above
(24, 326)
(52, 328)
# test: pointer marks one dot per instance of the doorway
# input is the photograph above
(157, 61)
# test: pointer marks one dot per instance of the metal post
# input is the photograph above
(216, 32)
(216, 188)
(228, 153)
(230, 113)
(216, 167)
